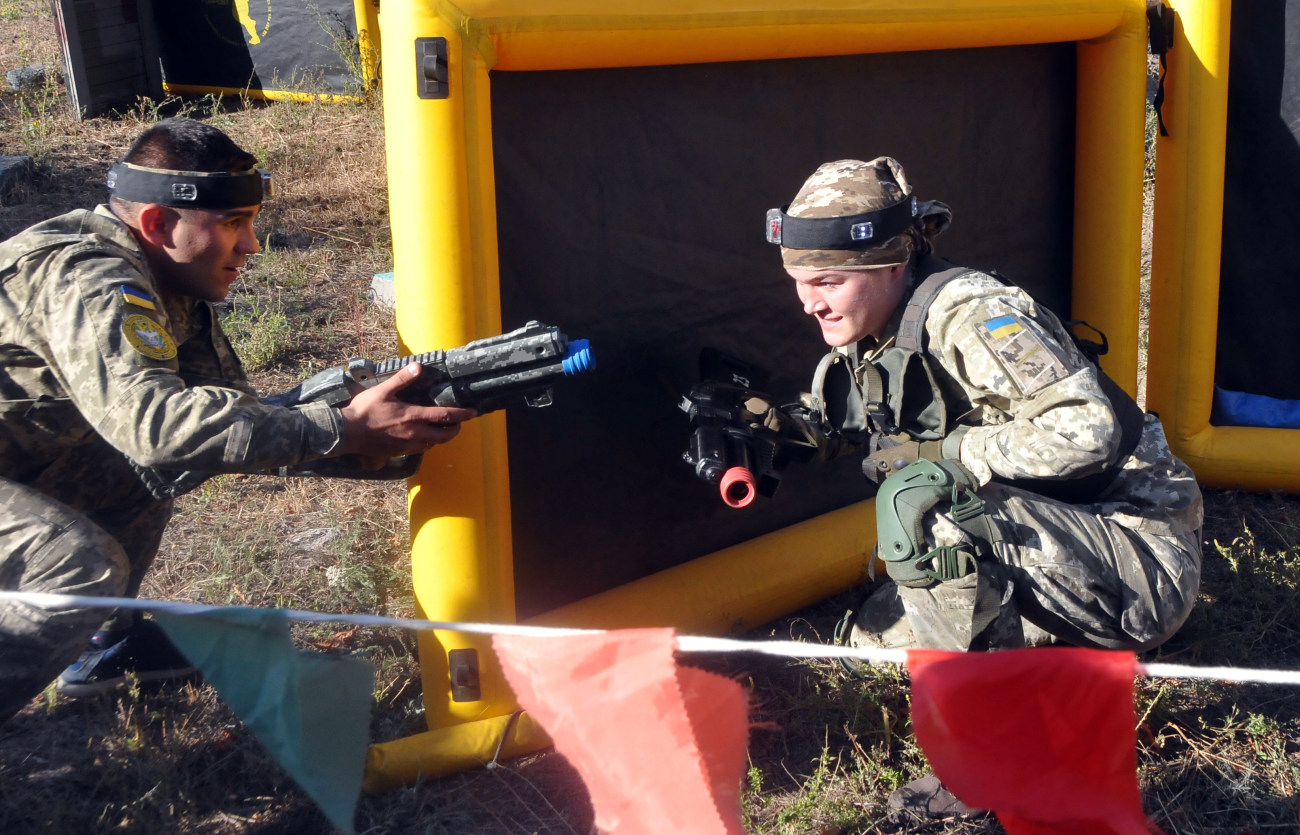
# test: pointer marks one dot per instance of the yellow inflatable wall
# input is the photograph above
(447, 289)
(1185, 266)
(274, 48)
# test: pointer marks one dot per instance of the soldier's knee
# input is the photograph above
(78, 558)
(45, 544)
(903, 502)
(100, 565)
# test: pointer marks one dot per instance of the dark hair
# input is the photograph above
(187, 145)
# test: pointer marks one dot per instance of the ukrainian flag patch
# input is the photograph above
(137, 297)
(1002, 327)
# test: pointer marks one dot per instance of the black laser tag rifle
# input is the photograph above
(487, 375)
(739, 440)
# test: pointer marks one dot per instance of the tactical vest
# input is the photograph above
(905, 390)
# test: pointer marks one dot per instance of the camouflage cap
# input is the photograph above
(849, 187)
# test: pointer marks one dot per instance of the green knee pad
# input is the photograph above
(901, 503)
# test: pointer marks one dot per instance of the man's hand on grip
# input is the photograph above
(378, 425)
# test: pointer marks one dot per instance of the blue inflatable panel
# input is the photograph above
(1236, 408)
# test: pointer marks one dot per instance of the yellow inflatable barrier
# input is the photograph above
(296, 51)
(438, 61)
(1185, 267)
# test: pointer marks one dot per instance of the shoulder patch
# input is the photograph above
(137, 297)
(147, 337)
(1021, 352)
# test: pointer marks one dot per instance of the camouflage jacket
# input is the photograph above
(1031, 406)
(95, 366)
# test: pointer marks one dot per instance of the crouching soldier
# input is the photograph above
(117, 385)
(1024, 498)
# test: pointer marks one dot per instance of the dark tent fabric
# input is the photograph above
(287, 46)
(109, 53)
(1259, 293)
(630, 207)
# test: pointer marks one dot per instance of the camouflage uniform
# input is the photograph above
(97, 372)
(1118, 572)
(1023, 404)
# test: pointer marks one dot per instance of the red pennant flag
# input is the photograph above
(661, 748)
(1045, 738)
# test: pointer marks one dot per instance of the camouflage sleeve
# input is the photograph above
(109, 344)
(1039, 410)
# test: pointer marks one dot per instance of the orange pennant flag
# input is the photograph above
(660, 747)
(1045, 738)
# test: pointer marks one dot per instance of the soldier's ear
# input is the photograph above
(155, 224)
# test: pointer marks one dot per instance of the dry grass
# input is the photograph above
(828, 747)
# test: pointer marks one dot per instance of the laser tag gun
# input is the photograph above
(739, 440)
(487, 375)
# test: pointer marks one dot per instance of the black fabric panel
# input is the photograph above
(1258, 341)
(205, 44)
(630, 209)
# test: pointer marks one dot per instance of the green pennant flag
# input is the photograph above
(311, 711)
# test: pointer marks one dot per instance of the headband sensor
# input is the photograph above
(861, 231)
(189, 189)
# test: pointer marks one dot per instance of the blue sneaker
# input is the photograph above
(111, 660)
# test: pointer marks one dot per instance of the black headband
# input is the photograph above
(189, 189)
(862, 231)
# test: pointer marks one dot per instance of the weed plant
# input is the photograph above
(827, 746)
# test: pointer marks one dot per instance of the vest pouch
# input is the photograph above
(837, 396)
(915, 397)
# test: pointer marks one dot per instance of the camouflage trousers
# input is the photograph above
(46, 546)
(1061, 574)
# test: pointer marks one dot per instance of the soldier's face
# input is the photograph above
(850, 304)
(206, 250)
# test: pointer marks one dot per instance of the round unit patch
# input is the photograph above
(146, 337)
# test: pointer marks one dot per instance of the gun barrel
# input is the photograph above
(579, 358)
(738, 487)
(493, 385)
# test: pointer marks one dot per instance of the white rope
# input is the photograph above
(685, 643)
(1239, 674)
(42, 600)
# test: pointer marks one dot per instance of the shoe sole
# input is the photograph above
(109, 685)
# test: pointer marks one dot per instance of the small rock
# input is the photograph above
(27, 78)
(381, 291)
(16, 176)
(316, 539)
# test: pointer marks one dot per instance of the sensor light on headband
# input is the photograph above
(189, 189)
(861, 231)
